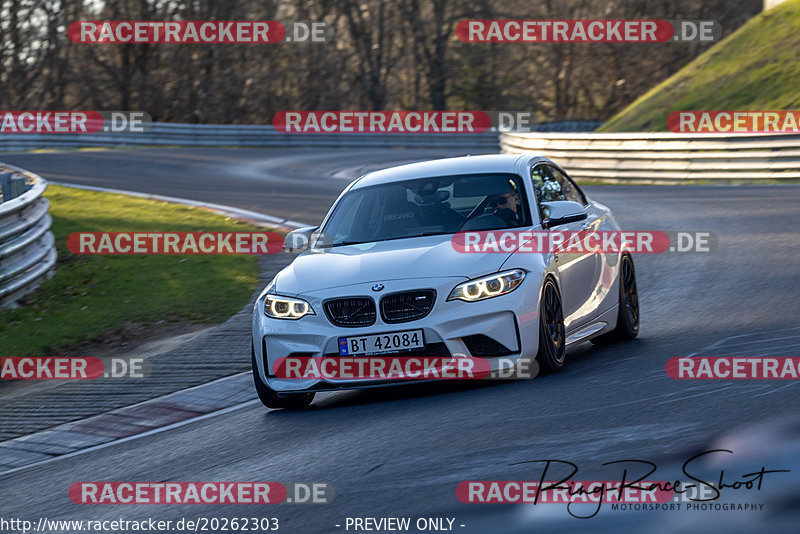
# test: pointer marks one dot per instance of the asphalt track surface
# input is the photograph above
(402, 451)
(290, 183)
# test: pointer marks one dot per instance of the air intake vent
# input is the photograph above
(351, 311)
(407, 306)
(481, 346)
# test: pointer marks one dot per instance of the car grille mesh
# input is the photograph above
(407, 306)
(481, 346)
(351, 311)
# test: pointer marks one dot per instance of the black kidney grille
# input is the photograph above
(407, 306)
(351, 311)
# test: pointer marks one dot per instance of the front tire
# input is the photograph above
(271, 398)
(628, 314)
(552, 338)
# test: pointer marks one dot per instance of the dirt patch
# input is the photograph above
(140, 340)
(135, 341)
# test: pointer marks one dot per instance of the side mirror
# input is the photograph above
(299, 239)
(560, 212)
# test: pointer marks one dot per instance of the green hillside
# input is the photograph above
(755, 68)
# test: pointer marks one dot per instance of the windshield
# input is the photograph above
(428, 206)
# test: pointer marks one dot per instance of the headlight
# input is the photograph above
(488, 286)
(286, 308)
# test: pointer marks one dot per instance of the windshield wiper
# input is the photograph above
(345, 243)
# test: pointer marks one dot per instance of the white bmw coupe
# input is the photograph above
(382, 276)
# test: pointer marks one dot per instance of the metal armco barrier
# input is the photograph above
(27, 247)
(568, 126)
(214, 135)
(664, 158)
(220, 135)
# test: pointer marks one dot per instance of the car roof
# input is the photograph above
(505, 163)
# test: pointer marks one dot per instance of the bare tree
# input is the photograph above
(384, 54)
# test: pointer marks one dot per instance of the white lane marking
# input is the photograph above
(721, 342)
(223, 411)
(759, 341)
(775, 390)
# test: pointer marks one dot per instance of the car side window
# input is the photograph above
(545, 184)
(568, 187)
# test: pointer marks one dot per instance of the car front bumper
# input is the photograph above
(510, 320)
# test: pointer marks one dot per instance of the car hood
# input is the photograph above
(420, 257)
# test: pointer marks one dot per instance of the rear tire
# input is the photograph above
(271, 398)
(628, 313)
(552, 345)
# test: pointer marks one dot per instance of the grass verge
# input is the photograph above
(92, 297)
(755, 68)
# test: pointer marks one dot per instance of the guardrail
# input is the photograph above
(27, 247)
(664, 158)
(219, 135)
(568, 126)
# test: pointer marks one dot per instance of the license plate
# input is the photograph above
(381, 343)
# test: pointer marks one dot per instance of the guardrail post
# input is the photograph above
(12, 185)
(18, 186)
(5, 185)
